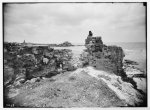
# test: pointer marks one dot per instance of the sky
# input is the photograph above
(59, 22)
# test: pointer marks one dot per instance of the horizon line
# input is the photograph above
(68, 41)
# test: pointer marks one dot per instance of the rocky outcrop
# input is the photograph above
(32, 71)
(65, 44)
(100, 56)
(131, 70)
(26, 63)
(136, 74)
(20, 76)
(129, 62)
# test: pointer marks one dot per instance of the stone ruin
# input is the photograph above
(94, 44)
(100, 56)
(24, 63)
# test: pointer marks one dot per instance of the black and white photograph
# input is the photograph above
(74, 54)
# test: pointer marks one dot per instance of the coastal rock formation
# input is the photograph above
(104, 57)
(136, 74)
(40, 76)
(65, 44)
(24, 63)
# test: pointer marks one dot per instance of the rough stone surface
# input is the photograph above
(8, 74)
(65, 44)
(20, 75)
(36, 61)
(103, 57)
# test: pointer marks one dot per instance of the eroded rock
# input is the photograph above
(103, 57)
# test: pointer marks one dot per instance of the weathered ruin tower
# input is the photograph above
(104, 57)
(94, 44)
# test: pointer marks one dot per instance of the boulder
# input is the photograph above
(50, 49)
(17, 83)
(35, 80)
(45, 60)
(34, 50)
(20, 76)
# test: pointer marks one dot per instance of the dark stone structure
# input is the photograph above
(104, 57)
(24, 63)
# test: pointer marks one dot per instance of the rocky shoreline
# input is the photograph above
(136, 74)
(41, 76)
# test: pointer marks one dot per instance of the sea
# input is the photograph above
(135, 51)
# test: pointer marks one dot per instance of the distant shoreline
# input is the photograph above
(65, 44)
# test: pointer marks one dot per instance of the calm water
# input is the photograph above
(133, 51)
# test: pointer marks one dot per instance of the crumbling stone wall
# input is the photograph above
(40, 61)
(100, 56)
